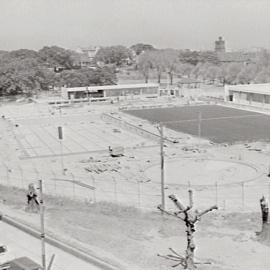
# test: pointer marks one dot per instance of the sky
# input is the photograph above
(181, 24)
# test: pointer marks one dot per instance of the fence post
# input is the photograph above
(224, 205)
(216, 192)
(54, 176)
(7, 174)
(94, 188)
(243, 194)
(21, 172)
(115, 190)
(139, 193)
(73, 185)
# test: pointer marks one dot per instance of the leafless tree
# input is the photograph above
(190, 218)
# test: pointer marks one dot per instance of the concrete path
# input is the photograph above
(22, 244)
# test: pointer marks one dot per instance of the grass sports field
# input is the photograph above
(218, 124)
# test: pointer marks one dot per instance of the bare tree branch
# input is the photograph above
(169, 213)
(168, 257)
(200, 214)
(173, 251)
(178, 204)
(179, 212)
(182, 263)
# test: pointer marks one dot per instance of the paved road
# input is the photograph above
(22, 244)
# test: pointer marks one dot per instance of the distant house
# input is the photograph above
(86, 56)
(237, 57)
(188, 83)
(232, 57)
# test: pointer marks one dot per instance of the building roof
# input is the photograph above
(111, 87)
(263, 88)
(239, 57)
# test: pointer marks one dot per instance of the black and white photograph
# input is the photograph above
(134, 134)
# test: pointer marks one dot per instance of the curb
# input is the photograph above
(58, 244)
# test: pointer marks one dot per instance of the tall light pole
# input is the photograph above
(161, 131)
(42, 227)
(60, 137)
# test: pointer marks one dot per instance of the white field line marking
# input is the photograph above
(212, 118)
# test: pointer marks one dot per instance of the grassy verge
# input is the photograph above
(127, 233)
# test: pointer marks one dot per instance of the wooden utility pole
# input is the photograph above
(161, 131)
(42, 227)
(190, 218)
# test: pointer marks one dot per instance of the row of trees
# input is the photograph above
(203, 66)
(28, 71)
(121, 55)
(199, 65)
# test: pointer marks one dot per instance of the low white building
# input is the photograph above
(111, 91)
(257, 95)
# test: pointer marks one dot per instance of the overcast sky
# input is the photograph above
(193, 24)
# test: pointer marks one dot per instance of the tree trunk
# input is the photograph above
(171, 78)
(146, 78)
(190, 244)
(159, 77)
(264, 235)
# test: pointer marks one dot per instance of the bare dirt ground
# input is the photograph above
(118, 219)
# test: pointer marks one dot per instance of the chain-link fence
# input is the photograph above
(138, 191)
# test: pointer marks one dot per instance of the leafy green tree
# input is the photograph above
(157, 60)
(73, 78)
(141, 47)
(231, 72)
(247, 74)
(145, 64)
(56, 56)
(102, 76)
(184, 69)
(88, 77)
(21, 77)
(212, 72)
(208, 57)
(189, 57)
(27, 71)
(117, 55)
(263, 59)
(263, 76)
(171, 57)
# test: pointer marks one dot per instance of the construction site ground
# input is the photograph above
(109, 205)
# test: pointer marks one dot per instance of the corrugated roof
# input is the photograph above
(111, 87)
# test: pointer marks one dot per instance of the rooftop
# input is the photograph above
(111, 87)
(236, 57)
(263, 88)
